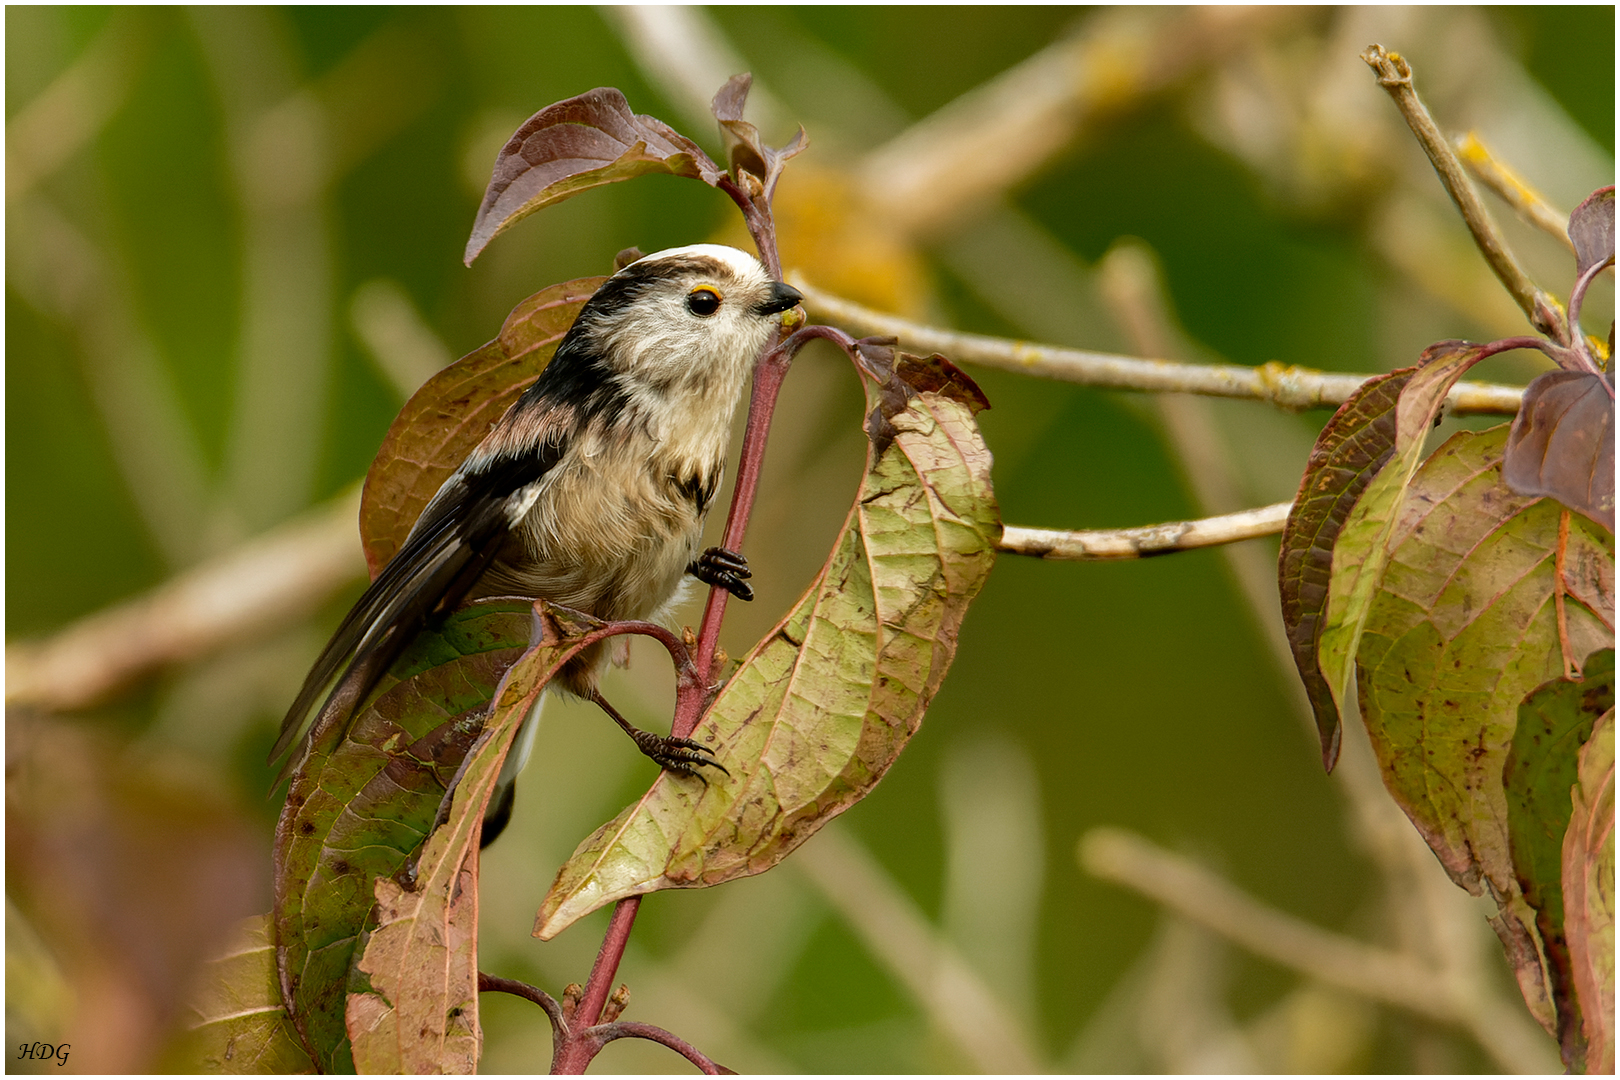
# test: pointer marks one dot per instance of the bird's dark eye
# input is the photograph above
(703, 302)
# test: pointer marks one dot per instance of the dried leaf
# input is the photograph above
(820, 709)
(1591, 230)
(361, 806)
(238, 1024)
(1589, 895)
(1554, 722)
(1562, 443)
(1335, 543)
(581, 143)
(418, 1009)
(745, 150)
(1459, 631)
(453, 411)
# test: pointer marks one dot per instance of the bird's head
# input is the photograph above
(685, 317)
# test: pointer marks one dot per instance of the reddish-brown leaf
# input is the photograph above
(1562, 443)
(581, 143)
(1591, 230)
(1353, 446)
(454, 410)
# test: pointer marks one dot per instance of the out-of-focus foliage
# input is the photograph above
(199, 202)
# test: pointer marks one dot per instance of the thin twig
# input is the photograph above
(1286, 386)
(1512, 189)
(1098, 545)
(1395, 76)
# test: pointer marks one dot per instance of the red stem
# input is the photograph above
(576, 1052)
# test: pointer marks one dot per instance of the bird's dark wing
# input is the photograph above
(458, 535)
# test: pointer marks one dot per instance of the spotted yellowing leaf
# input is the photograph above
(574, 145)
(1461, 628)
(820, 709)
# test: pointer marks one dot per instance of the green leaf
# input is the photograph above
(361, 806)
(820, 709)
(574, 145)
(1460, 630)
(452, 412)
(1342, 518)
(1554, 722)
(418, 1011)
(237, 1022)
(1589, 893)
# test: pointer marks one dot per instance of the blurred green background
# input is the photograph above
(234, 244)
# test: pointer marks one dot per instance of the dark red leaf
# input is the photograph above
(1591, 230)
(1562, 443)
(1353, 446)
(577, 144)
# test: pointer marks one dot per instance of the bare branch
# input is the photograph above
(1286, 386)
(1380, 974)
(265, 584)
(990, 138)
(901, 939)
(1395, 76)
(1512, 189)
(1099, 545)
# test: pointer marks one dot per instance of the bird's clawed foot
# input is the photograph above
(677, 755)
(682, 756)
(725, 569)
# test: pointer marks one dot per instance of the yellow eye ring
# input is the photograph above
(703, 301)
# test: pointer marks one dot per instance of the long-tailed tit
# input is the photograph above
(590, 492)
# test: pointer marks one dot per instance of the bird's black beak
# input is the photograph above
(781, 298)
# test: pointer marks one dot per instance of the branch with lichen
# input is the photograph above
(1395, 76)
(1512, 189)
(1284, 385)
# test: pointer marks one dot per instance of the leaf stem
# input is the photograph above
(1395, 76)
(1286, 386)
(496, 984)
(603, 1034)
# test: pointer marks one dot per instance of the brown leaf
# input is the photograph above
(1591, 230)
(1562, 443)
(745, 150)
(581, 143)
(453, 411)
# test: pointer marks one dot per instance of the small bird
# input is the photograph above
(590, 491)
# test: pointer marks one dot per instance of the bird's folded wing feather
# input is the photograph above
(459, 533)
